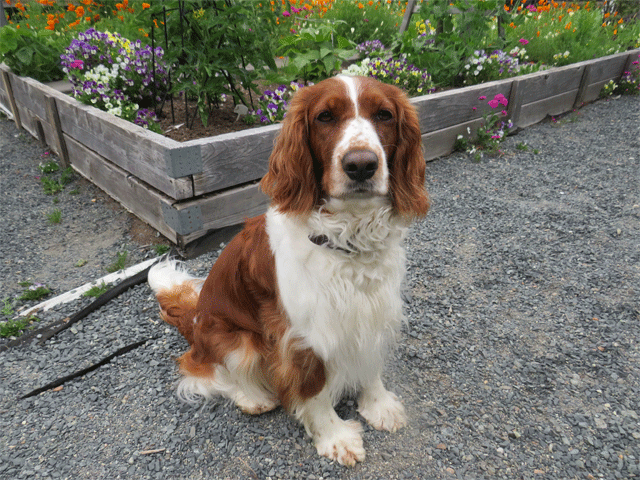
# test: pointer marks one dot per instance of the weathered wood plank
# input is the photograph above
(136, 150)
(227, 208)
(30, 94)
(452, 107)
(13, 106)
(441, 142)
(550, 83)
(233, 158)
(137, 197)
(537, 111)
(611, 67)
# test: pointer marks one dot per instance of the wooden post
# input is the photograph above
(515, 102)
(12, 101)
(584, 83)
(58, 137)
(407, 16)
(3, 17)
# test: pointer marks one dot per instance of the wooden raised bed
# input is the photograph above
(199, 191)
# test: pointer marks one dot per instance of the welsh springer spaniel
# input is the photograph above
(304, 303)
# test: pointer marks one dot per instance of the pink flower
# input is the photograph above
(77, 64)
(523, 41)
(474, 108)
(493, 103)
(483, 97)
(504, 112)
(286, 14)
(501, 99)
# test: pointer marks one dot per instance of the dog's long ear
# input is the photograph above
(291, 181)
(408, 167)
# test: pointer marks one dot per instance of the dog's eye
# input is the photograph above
(383, 115)
(325, 116)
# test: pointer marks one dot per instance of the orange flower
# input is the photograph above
(370, 3)
(86, 2)
(567, 26)
(96, 17)
(538, 33)
(71, 7)
(506, 8)
(146, 5)
(361, 6)
(607, 15)
(119, 6)
(79, 11)
(87, 19)
(620, 21)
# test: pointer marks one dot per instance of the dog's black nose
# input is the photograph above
(360, 165)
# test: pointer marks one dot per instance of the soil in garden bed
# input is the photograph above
(221, 120)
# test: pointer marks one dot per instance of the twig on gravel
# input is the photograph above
(150, 452)
(84, 371)
(253, 473)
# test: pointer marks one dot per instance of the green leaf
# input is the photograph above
(25, 55)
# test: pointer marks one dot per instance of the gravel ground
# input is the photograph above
(520, 358)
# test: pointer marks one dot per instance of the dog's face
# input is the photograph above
(348, 138)
(352, 135)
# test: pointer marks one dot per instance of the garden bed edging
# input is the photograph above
(198, 192)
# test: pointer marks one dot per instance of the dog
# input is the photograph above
(304, 304)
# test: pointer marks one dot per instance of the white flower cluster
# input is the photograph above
(358, 70)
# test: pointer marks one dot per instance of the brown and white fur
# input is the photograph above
(304, 304)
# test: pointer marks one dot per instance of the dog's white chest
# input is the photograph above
(346, 307)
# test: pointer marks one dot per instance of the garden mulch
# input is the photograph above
(520, 358)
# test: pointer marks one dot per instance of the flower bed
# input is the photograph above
(194, 191)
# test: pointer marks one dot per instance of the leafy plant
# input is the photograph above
(119, 263)
(32, 53)
(15, 328)
(96, 290)
(492, 130)
(457, 34)
(360, 21)
(51, 186)
(161, 249)
(8, 306)
(55, 216)
(50, 166)
(315, 53)
(211, 46)
(34, 292)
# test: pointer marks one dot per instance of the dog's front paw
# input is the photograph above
(383, 411)
(343, 444)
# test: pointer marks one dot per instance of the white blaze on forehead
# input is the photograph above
(359, 132)
(352, 89)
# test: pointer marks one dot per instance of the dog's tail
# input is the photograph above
(177, 292)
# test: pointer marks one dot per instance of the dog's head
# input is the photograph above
(350, 138)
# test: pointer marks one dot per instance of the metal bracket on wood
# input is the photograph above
(12, 101)
(184, 221)
(184, 161)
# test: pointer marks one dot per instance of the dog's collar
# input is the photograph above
(323, 241)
